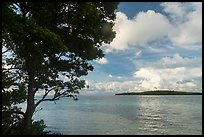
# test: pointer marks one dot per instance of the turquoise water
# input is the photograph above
(123, 115)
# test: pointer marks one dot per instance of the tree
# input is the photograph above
(51, 40)
(12, 92)
(11, 114)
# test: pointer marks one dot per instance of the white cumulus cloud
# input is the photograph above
(174, 61)
(168, 72)
(187, 19)
(167, 78)
(141, 29)
(175, 73)
(102, 61)
(181, 25)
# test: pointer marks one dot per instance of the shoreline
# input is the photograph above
(159, 92)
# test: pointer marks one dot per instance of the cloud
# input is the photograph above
(139, 53)
(119, 77)
(167, 77)
(175, 10)
(161, 48)
(174, 61)
(175, 72)
(112, 86)
(114, 77)
(139, 30)
(181, 24)
(102, 61)
(168, 72)
(187, 18)
(149, 78)
(178, 61)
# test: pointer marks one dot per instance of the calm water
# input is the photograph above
(147, 114)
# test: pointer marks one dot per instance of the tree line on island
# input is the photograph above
(160, 92)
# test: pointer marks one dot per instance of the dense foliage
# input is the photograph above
(47, 48)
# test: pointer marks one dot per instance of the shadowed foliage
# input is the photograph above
(50, 46)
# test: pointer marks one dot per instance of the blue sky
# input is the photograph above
(157, 46)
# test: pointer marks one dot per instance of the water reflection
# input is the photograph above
(124, 115)
(149, 115)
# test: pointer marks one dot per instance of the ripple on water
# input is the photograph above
(143, 115)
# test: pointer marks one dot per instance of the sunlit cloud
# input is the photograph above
(167, 78)
(182, 26)
(139, 30)
(102, 61)
(176, 73)
(139, 53)
(187, 19)
(162, 48)
(175, 61)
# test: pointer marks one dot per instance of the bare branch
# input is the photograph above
(63, 94)
(36, 90)
(43, 98)
(59, 56)
(5, 51)
(50, 99)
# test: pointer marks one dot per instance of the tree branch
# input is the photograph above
(50, 99)
(36, 90)
(5, 51)
(63, 94)
(43, 98)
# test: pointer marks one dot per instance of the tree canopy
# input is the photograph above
(50, 46)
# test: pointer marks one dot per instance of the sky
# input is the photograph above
(157, 46)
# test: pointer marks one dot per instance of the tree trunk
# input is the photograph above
(27, 120)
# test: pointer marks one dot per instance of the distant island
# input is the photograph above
(160, 92)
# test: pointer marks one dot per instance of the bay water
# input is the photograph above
(123, 115)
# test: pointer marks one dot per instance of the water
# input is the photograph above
(123, 115)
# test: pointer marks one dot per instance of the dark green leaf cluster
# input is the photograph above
(50, 46)
(11, 114)
(50, 38)
(35, 128)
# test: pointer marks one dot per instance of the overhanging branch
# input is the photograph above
(43, 98)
